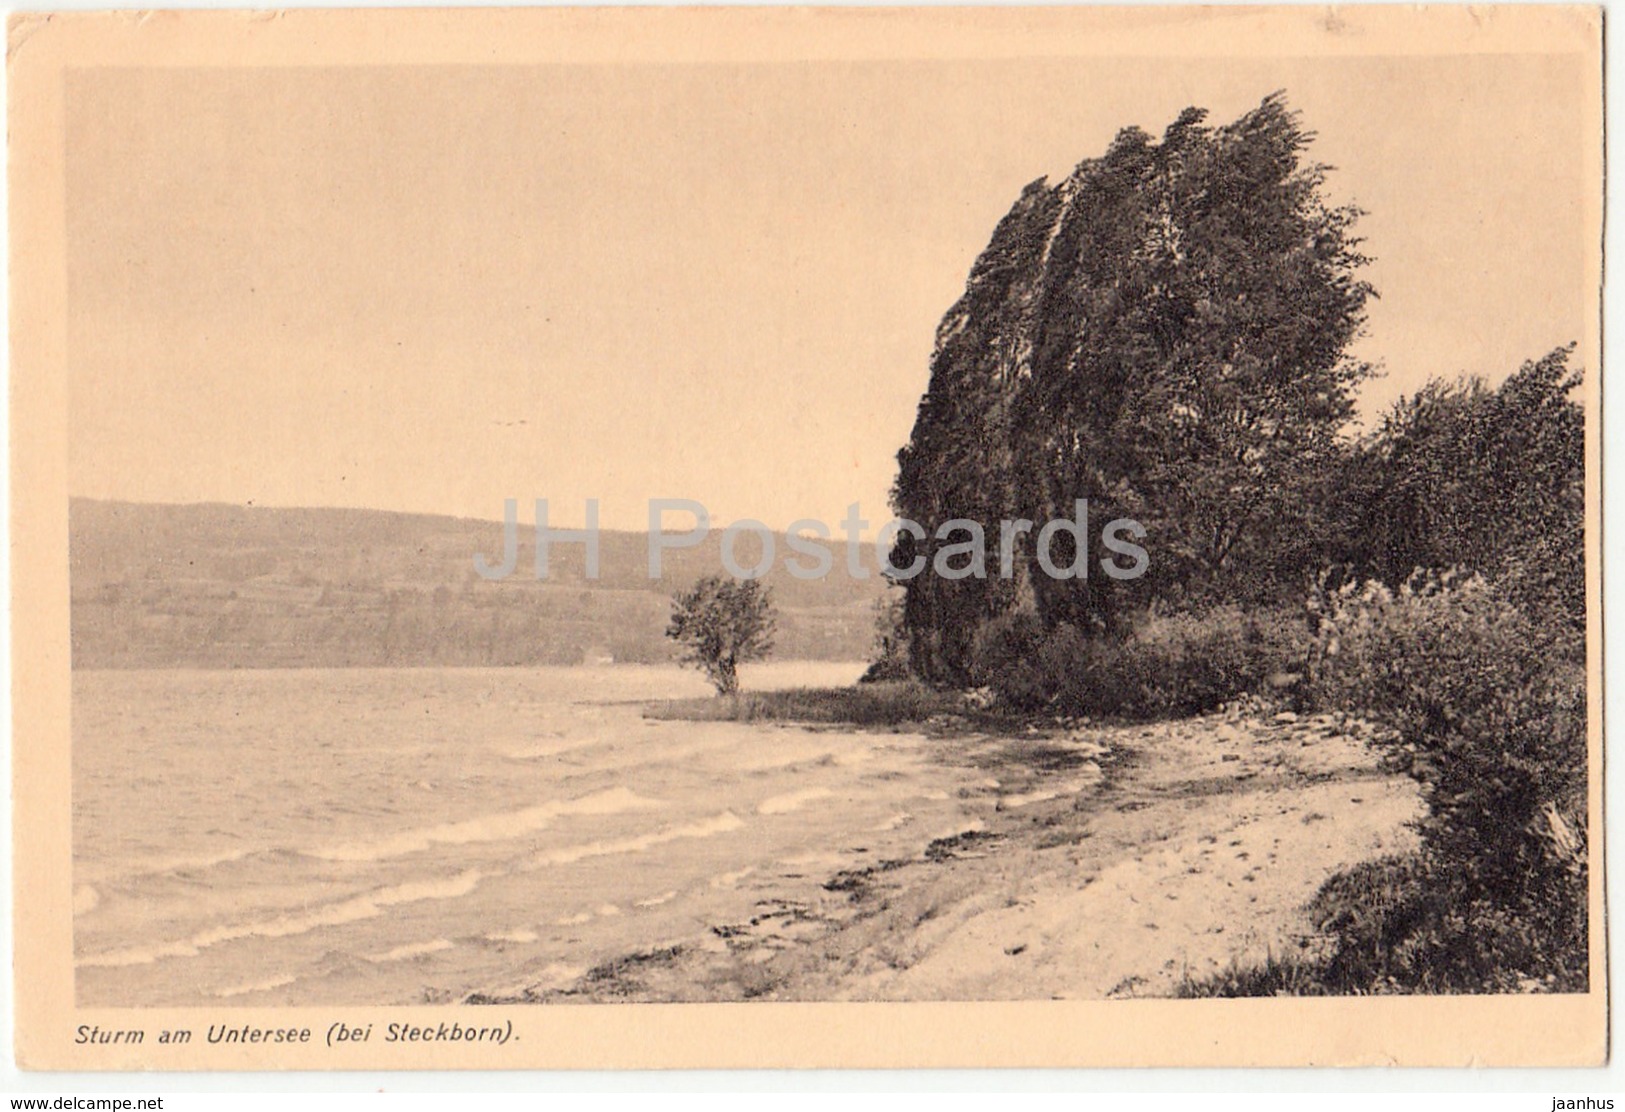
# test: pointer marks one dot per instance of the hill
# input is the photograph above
(224, 586)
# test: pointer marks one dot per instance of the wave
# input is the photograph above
(161, 866)
(555, 976)
(558, 746)
(791, 801)
(1041, 795)
(353, 910)
(729, 880)
(256, 986)
(412, 950)
(520, 936)
(373, 904)
(569, 855)
(486, 828)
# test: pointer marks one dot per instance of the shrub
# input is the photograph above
(1180, 664)
(1168, 664)
(1279, 975)
(1490, 711)
(1006, 656)
(1407, 924)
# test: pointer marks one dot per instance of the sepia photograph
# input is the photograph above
(525, 517)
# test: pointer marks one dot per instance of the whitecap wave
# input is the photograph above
(255, 986)
(353, 910)
(486, 828)
(791, 801)
(412, 950)
(569, 855)
(520, 936)
(728, 880)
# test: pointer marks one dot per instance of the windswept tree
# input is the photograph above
(722, 623)
(958, 462)
(1251, 304)
(1163, 333)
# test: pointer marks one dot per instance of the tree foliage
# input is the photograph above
(722, 623)
(1162, 333)
(1487, 480)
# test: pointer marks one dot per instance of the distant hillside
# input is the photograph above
(218, 586)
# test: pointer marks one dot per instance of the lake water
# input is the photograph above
(392, 836)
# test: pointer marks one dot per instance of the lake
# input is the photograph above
(399, 836)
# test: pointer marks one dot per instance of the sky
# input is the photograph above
(435, 288)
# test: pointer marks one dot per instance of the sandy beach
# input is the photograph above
(1109, 862)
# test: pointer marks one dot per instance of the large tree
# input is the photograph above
(958, 462)
(1163, 333)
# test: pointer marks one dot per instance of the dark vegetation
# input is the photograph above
(888, 662)
(1161, 333)
(1165, 334)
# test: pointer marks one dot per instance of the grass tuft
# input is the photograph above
(868, 706)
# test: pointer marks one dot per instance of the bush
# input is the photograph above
(1182, 664)
(1489, 710)
(1007, 656)
(1408, 924)
(1167, 665)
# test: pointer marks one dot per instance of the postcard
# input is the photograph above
(794, 537)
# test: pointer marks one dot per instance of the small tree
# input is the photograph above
(722, 623)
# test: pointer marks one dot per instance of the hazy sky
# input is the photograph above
(435, 288)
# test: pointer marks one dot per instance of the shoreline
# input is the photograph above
(1117, 861)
